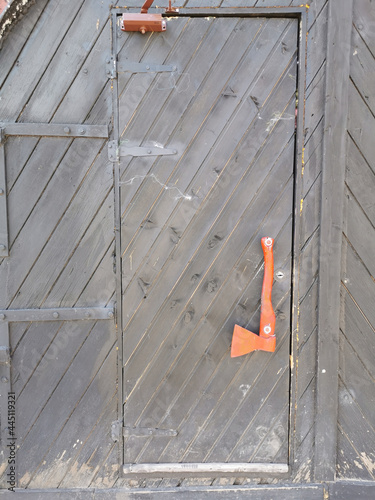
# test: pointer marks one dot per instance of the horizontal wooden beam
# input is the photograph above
(57, 314)
(215, 469)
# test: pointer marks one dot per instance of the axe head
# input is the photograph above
(244, 341)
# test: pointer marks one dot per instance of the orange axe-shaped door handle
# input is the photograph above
(243, 340)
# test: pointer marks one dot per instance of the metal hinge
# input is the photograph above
(141, 67)
(116, 152)
(117, 430)
(111, 67)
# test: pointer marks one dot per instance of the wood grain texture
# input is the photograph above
(355, 418)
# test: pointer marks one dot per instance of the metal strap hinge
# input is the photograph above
(141, 67)
(116, 152)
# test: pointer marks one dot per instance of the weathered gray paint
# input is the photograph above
(38, 64)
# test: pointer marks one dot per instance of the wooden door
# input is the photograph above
(223, 107)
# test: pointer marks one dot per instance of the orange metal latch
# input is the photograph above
(143, 21)
(243, 340)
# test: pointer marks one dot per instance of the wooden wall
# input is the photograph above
(33, 54)
(356, 436)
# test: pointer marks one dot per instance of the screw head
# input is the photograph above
(2, 247)
(67, 130)
(147, 67)
(2, 316)
(81, 131)
(85, 71)
(110, 314)
(55, 315)
(149, 151)
(4, 380)
(1, 192)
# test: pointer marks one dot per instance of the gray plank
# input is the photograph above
(360, 124)
(70, 389)
(314, 102)
(348, 465)
(360, 179)
(360, 233)
(70, 461)
(215, 341)
(358, 332)
(355, 427)
(363, 18)
(35, 56)
(54, 201)
(201, 184)
(67, 235)
(287, 492)
(333, 171)
(345, 491)
(360, 284)
(358, 382)
(316, 44)
(362, 66)
(79, 39)
(20, 35)
(313, 154)
(215, 201)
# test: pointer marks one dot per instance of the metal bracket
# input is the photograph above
(56, 130)
(141, 67)
(111, 67)
(4, 235)
(116, 429)
(147, 431)
(116, 152)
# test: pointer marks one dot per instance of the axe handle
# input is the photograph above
(267, 315)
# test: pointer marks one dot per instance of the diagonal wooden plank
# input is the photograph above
(41, 46)
(360, 179)
(196, 290)
(358, 332)
(70, 389)
(214, 361)
(215, 201)
(362, 66)
(363, 18)
(348, 463)
(69, 451)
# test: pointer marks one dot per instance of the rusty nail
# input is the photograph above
(67, 130)
(2, 316)
(55, 314)
(1, 192)
(4, 380)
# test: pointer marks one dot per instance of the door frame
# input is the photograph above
(265, 470)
